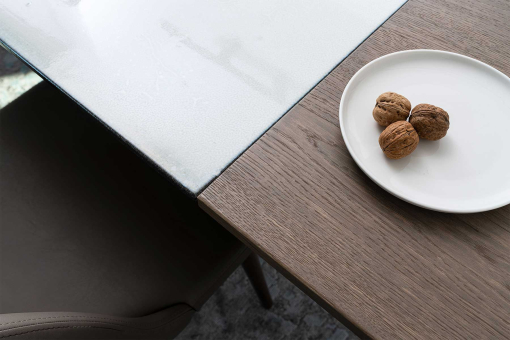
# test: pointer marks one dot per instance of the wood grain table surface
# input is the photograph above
(386, 268)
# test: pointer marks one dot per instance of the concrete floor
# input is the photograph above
(233, 312)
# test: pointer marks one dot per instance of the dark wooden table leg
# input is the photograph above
(254, 272)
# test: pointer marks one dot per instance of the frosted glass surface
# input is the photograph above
(191, 84)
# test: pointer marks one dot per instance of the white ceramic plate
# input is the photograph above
(466, 171)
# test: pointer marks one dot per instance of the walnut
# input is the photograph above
(391, 107)
(431, 122)
(398, 140)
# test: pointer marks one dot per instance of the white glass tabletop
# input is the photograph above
(191, 84)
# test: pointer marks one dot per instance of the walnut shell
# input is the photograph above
(391, 107)
(398, 140)
(431, 122)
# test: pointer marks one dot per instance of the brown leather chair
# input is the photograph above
(94, 242)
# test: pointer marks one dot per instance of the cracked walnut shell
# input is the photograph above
(398, 140)
(431, 122)
(391, 107)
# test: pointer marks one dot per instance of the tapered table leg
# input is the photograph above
(254, 272)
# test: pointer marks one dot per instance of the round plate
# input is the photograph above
(466, 171)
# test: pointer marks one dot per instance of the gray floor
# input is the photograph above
(233, 312)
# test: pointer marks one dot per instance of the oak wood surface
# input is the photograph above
(387, 268)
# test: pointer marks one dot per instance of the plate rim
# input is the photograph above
(367, 172)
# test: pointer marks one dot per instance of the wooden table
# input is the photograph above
(387, 269)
